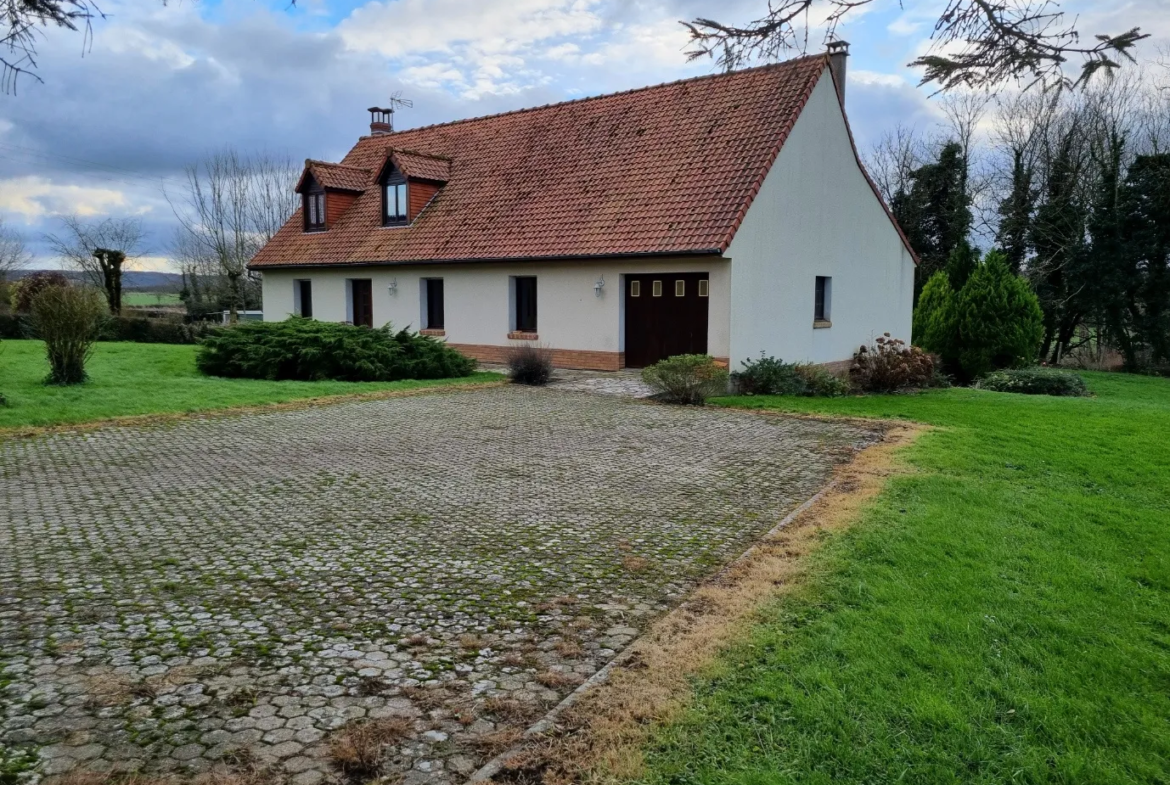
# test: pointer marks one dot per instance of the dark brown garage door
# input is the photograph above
(666, 314)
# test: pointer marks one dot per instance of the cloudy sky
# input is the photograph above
(109, 132)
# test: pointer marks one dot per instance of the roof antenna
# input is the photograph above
(382, 118)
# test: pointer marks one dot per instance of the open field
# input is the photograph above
(999, 615)
(138, 299)
(129, 379)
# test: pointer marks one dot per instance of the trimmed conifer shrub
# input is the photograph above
(1000, 324)
(308, 350)
(993, 322)
(935, 329)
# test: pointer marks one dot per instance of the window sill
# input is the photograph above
(316, 230)
(821, 324)
(518, 335)
(433, 333)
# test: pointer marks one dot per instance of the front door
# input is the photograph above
(363, 301)
(666, 314)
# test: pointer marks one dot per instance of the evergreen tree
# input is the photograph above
(935, 213)
(1016, 213)
(998, 320)
(961, 263)
(1146, 232)
(1107, 270)
(1058, 236)
(934, 319)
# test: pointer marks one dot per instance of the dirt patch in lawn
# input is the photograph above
(601, 735)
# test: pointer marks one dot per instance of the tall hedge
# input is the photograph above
(309, 350)
(994, 321)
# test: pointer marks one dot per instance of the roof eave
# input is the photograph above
(488, 260)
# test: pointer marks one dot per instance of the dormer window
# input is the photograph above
(315, 210)
(395, 207)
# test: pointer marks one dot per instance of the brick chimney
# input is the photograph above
(381, 121)
(838, 51)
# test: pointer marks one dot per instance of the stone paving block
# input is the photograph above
(261, 580)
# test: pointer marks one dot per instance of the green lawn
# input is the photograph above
(139, 378)
(133, 299)
(1000, 615)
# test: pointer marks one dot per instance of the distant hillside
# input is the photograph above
(143, 280)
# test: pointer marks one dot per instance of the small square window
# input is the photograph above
(635, 288)
(680, 288)
(703, 288)
(656, 289)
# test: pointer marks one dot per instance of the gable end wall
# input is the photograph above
(816, 214)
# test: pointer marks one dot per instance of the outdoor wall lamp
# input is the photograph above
(597, 287)
(393, 286)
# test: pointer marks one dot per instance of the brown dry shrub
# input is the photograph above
(427, 698)
(87, 777)
(492, 744)
(357, 748)
(635, 563)
(470, 641)
(557, 679)
(569, 649)
(889, 365)
(510, 709)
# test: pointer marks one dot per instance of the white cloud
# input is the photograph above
(37, 197)
(395, 28)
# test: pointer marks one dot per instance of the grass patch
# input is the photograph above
(1000, 614)
(150, 299)
(128, 379)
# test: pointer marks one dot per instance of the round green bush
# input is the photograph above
(686, 379)
(309, 350)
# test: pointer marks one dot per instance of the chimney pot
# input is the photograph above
(381, 121)
(838, 52)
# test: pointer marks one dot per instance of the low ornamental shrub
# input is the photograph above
(309, 350)
(1034, 381)
(686, 379)
(819, 382)
(772, 376)
(768, 376)
(529, 364)
(68, 319)
(27, 288)
(889, 365)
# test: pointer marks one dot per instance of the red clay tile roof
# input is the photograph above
(422, 167)
(336, 176)
(669, 169)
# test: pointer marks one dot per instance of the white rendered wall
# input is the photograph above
(816, 215)
(476, 299)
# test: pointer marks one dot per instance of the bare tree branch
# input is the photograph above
(975, 43)
(91, 247)
(13, 253)
(23, 21)
(233, 205)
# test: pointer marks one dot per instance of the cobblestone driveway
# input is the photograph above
(170, 595)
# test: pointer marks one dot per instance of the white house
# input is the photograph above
(727, 215)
